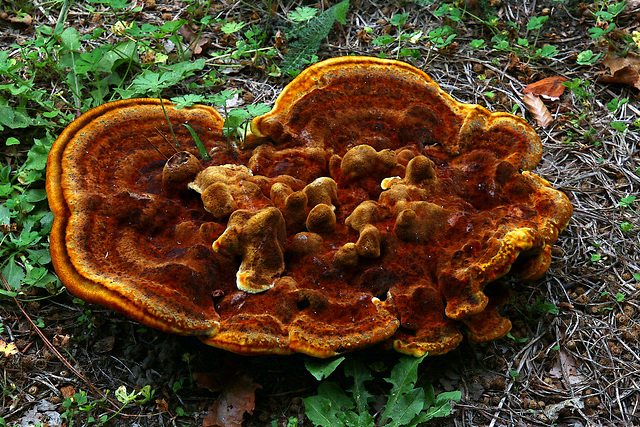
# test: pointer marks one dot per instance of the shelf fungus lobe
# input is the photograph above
(368, 207)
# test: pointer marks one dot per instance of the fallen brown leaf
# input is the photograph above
(280, 40)
(200, 44)
(237, 397)
(162, 405)
(61, 340)
(549, 88)
(196, 43)
(212, 381)
(24, 19)
(104, 345)
(622, 70)
(566, 365)
(538, 109)
(8, 349)
(67, 391)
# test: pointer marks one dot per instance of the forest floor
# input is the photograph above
(573, 355)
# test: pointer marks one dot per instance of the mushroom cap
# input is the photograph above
(114, 241)
(400, 210)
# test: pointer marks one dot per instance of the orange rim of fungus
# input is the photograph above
(368, 207)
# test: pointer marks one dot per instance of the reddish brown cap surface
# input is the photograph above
(369, 206)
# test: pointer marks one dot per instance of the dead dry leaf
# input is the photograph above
(622, 70)
(212, 381)
(553, 411)
(566, 365)
(67, 391)
(60, 340)
(237, 397)
(281, 41)
(24, 19)
(538, 109)
(8, 349)
(162, 405)
(549, 88)
(196, 43)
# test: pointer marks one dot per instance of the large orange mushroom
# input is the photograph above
(367, 207)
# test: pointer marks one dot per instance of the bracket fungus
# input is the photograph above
(367, 207)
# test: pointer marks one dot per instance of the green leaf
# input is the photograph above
(616, 103)
(322, 368)
(5, 214)
(406, 408)
(12, 140)
(150, 82)
(626, 202)
(38, 153)
(232, 27)
(356, 369)
(172, 26)
(9, 294)
(36, 195)
(306, 39)
(70, 38)
(17, 119)
(187, 100)
(322, 412)
(587, 57)
(119, 54)
(333, 393)
(547, 51)
(619, 126)
(403, 378)
(302, 14)
(113, 4)
(535, 23)
(255, 110)
(399, 19)
(439, 406)
(384, 40)
(14, 274)
(597, 32)
(624, 226)
(201, 148)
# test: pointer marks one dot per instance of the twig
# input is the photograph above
(55, 351)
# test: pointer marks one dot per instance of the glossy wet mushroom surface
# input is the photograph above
(367, 207)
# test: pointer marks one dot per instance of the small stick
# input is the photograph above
(156, 148)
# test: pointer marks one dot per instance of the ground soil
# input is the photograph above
(573, 356)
